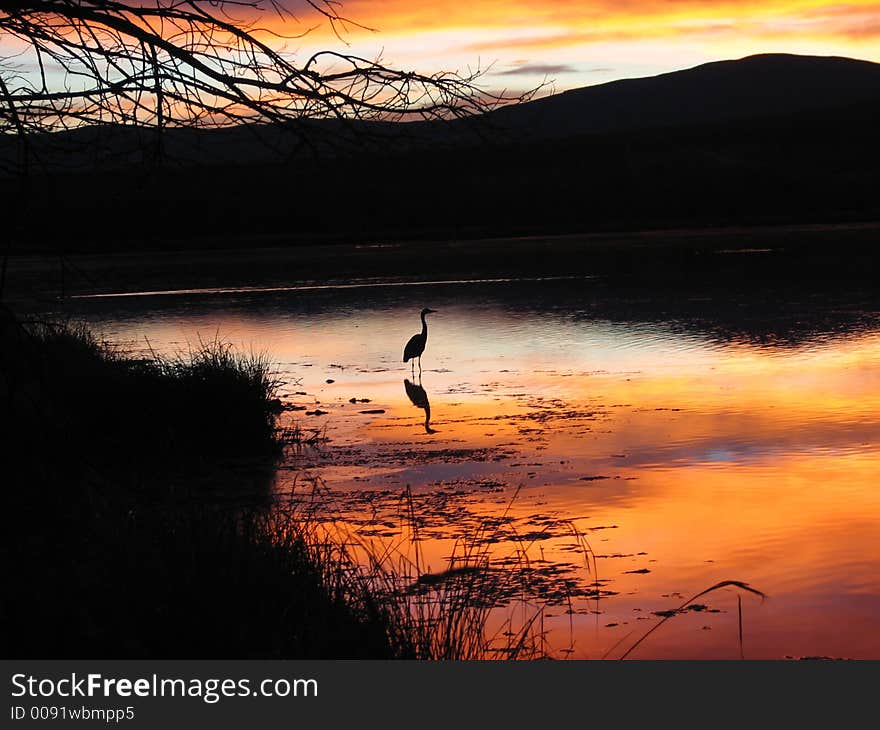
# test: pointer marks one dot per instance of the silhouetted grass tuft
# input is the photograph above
(155, 411)
(479, 607)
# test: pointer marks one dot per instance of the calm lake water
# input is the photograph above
(690, 440)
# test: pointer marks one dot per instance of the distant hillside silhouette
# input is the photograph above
(761, 86)
(766, 139)
(766, 85)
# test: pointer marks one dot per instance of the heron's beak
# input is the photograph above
(432, 311)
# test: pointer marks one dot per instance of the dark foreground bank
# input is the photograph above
(134, 524)
(141, 523)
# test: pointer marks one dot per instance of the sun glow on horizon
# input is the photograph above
(521, 44)
(514, 48)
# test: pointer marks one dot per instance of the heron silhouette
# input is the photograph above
(416, 345)
(419, 398)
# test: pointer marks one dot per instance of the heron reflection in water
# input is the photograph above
(419, 398)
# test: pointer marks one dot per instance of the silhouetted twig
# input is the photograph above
(203, 64)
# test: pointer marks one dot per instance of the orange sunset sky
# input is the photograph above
(577, 42)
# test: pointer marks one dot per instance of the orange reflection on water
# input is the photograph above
(704, 459)
(750, 465)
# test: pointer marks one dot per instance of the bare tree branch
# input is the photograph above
(167, 64)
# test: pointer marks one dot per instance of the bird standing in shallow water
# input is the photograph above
(416, 345)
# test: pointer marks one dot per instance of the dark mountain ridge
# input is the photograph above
(767, 85)
(763, 140)
(760, 86)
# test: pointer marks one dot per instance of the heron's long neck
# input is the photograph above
(424, 328)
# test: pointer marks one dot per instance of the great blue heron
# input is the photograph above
(416, 345)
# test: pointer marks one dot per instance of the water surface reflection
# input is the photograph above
(419, 398)
(691, 437)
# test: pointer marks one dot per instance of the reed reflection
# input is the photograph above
(419, 398)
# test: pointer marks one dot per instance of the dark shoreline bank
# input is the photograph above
(139, 524)
(662, 257)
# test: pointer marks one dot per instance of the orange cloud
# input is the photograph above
(627, 38)
(392, 16)
(580, 43)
